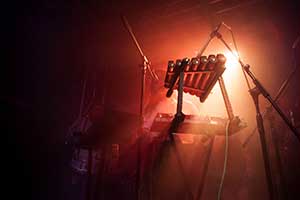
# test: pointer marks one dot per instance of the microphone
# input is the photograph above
(152, 73)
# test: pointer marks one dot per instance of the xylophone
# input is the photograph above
(200, 74)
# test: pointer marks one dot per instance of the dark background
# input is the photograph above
(52, 44)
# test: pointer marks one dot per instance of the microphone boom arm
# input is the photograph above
(146, 62)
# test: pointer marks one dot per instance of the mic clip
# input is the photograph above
(215, 32)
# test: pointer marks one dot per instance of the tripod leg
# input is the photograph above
(138, 180)
(99, 185)
(282, 183)
(181, 168)
(205, 168)
(262, 135)
(265, 155)
(89, 174)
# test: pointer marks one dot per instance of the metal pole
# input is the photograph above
(260, 125)
(264, 92)
(144, 66)
(205, 168)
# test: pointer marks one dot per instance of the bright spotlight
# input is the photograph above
(231, 60)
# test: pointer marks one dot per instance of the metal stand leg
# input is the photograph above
(205, 168)
(163, 153)
(138, 169)
(282, 181)
(99, 191)
(89, 175)
(145, 66)
(140, 133)
(255, 93)
(181, 168)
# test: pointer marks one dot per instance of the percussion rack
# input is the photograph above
(197, 77)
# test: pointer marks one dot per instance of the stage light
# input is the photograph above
(231, 60)
(232, 72)
(185, 138)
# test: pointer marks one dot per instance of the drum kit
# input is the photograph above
(115, 141)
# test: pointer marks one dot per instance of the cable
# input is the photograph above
(225, 160)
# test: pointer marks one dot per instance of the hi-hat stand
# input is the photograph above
(255, 92)
(144, 67)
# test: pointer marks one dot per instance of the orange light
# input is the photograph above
(185, 138)
(231, 60)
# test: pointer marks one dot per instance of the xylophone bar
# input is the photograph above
(200, 74)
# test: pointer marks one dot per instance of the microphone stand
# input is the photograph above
(255, 92)
(280, 91)
(263, 91)
(274, 135)
(211, 37)
(144, 67)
